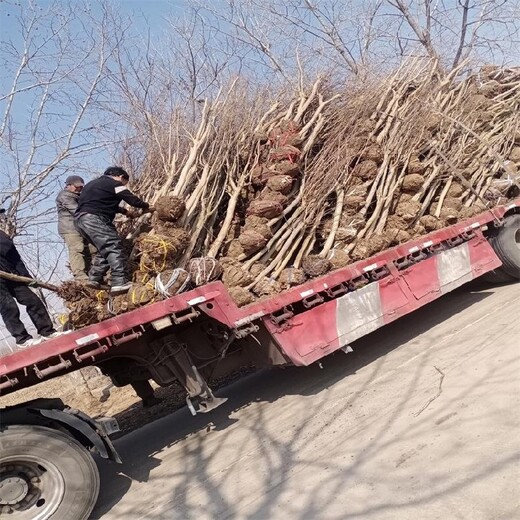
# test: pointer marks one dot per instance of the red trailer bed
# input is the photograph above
(306, 322)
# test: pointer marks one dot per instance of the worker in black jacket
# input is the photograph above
(13, 292)
(97, 206)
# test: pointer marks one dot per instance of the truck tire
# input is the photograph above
(45, 474)
(506, 244)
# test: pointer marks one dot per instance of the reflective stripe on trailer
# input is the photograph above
(316, 332)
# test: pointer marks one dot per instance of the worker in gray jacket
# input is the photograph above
(80, 252)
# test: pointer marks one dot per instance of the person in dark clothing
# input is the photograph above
(13, 292)
(98, 204)
(80, 251)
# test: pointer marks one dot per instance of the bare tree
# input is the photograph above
(450, 32)
(49, 120)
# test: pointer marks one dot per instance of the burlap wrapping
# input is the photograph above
(285, 168)
(251, 241)
(514, 155)
(373, 152)
(430, 223)
(235, 249)
(284, 153)
(365, 170)
(142, 277)
(273, 196)
(396, 236)
(170, 208)
(291, 276)
(412, 182)
(454, 204)
(265, 208)
(256, 269)
(455, 190)
(203, 270)
(118, 304)
(241, 296)
(260, 175)
(159, 252)
(172, 282)
(339, 258)
(267, 287)
(258, 224)
(415, 167)
(280, 183)
(408, 211)
(140, 295)
(450, 215)
(235, 276)
(356, 202)
(316, 266)
(366, 247)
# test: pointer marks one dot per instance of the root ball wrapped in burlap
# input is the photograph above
(267, 287)
(412, 183)
(408, 211)
(339, 258)
(354, 202)
(170, 208)
(415, 166)
(118, 304)
(365, 170)
(454, 204)
(265, 208)
(291, 276)
(142, 277)
(449, 215)
(235, 249)
(241, 296)
(140, 295)
(430, 223)
(172, 282)
(280, 183)
(396, 236)
(259, 225)
(273, 196)
(159, 252)
(251, 241)
(203, 270)
(284, 153)
(514, 155)
(373, 152)
(260, 175)
(236, 276)
(455, 190)
(285, 168)
(316, 266)
(82, 312)
(366, 247)
(256, 269)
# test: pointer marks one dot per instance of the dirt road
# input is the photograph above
(420, 422)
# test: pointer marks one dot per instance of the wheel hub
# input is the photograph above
(13, 489)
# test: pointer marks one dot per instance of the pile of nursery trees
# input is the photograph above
(266, 194)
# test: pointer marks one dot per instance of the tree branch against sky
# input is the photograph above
(55, 78)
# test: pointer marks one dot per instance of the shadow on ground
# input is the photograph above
(139, 450)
